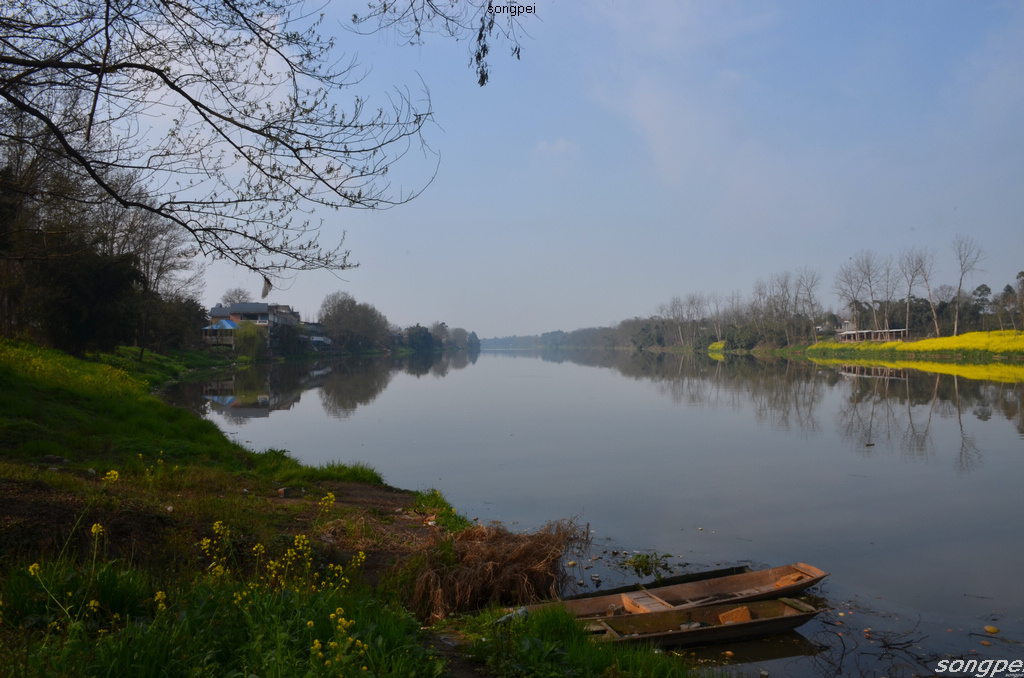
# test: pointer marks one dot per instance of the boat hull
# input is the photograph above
(775, 582)
(705, 625)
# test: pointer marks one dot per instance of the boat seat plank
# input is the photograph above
(648, 602)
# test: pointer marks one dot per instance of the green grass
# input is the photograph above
(432, 502)
(279, 617)
(286, 469)
(553, 643)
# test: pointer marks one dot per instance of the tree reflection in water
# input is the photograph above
(883, 407)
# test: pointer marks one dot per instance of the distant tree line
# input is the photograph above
(877, 291)
(358, 327)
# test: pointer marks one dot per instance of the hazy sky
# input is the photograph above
(640, 150)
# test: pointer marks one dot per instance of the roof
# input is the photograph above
(222, 325)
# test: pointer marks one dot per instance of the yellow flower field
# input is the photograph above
(1005, 342)
(58, 369)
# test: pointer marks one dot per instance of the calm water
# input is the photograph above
(908, 487)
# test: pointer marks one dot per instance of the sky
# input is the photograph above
(641, 150)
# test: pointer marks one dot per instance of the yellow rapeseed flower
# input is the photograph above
(111, 477)
(97, 530)
(33, 569)
(94, 604)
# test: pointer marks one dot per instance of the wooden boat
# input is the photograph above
(774, 582)
(696, 626)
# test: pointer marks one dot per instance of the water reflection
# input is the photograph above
(890, 408)
(343, 385)
(892, 403)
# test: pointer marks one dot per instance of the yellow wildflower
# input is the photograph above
(97, 530)
(111, 477)
(33, 569)
(94, 605)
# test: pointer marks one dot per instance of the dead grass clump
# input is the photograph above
(490, 565)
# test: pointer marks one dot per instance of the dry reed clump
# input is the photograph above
(490, 565)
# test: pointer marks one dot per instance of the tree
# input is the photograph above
(927, 265)
(1005, 305)
(228, 113)
(849, 287)
(439, 330)
(419, 339)
(911, 265)
(968, 256)
(806, 299)
(250, 340)
(83, 302)
(236, 295)
(459, 338)
(871, 271)
(353, 326)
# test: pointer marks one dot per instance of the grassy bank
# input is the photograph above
(137, 540)
(971, 347)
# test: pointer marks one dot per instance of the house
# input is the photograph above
(220, 333)
(314, 333)
(850, 333)
(225, 320)
(266, 315)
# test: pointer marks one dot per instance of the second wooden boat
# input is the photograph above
(774, 582)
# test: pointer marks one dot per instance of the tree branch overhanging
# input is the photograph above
(226, 110)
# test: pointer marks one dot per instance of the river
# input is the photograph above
(904, 485)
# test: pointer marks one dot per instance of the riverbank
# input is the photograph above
(138, 540)
(976, 347)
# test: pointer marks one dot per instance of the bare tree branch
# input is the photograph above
(227, 111)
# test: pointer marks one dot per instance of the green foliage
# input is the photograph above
(81, 299)
(280, 466)
(419, 339)
(646, 565)
(552, 642)
(434, 503)
(354, 327)
(287, 617)
(90, 412)
(251, 340)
